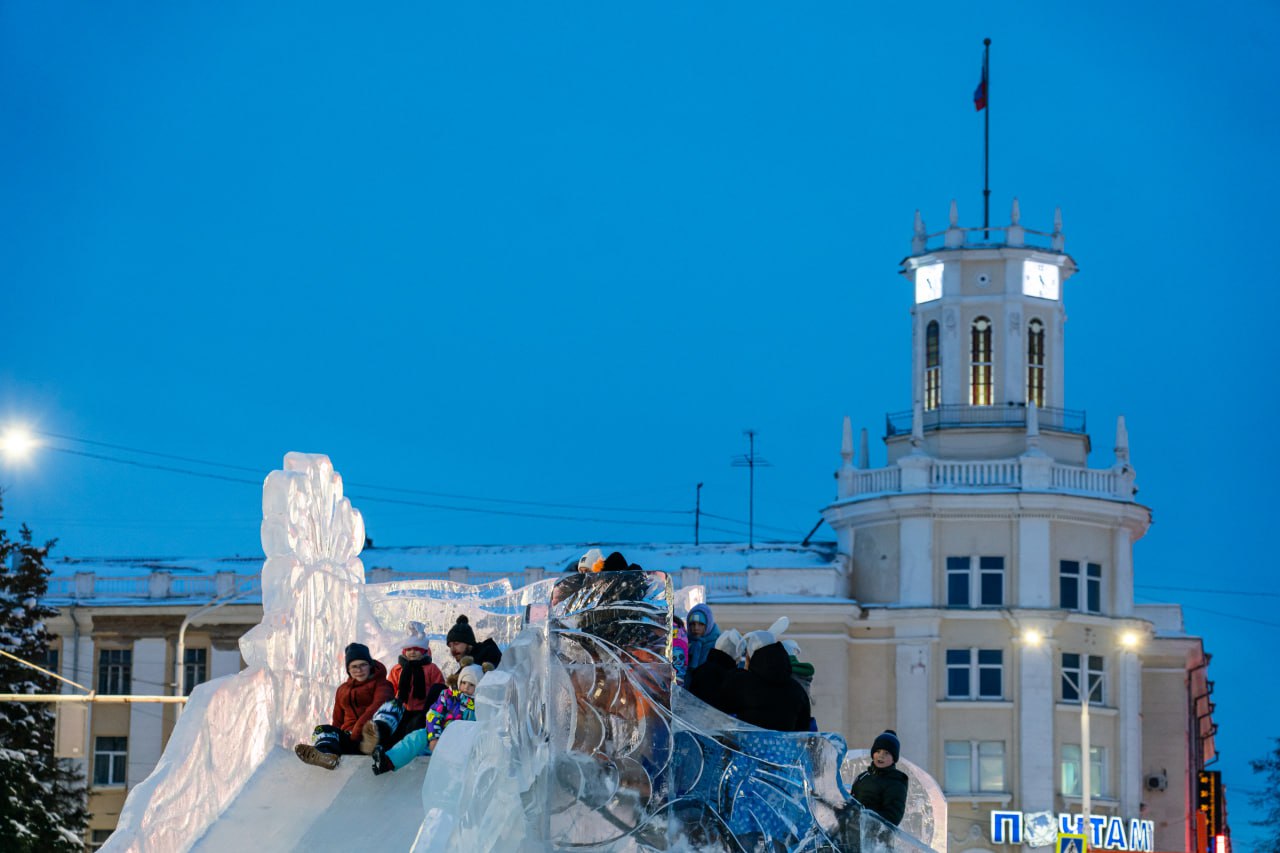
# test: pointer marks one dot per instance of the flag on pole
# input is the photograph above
(980, 93)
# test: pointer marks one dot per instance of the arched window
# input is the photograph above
(980, 391)
(932, 367)
(1035, 363)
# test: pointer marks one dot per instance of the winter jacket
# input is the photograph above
(418, 690)
(487, 652)
(356, 701)
(680, 653)
(882, 791)
(700, 647)
(765, 694)
(707, 681)
(452, 705)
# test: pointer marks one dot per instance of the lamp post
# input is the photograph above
(1128, 640)
(179, 664)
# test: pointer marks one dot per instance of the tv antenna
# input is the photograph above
(751, 461)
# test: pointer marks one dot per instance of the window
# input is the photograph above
(980, 389)
(973, 767)
(1069, 586)
(975, 674)
(98, 837)
(1071, 677)
(1035, 364)
(975, 581)
(932, 368)
(1071, 782)
(195, 668)
(109, 756)
(51, 658)
(115, 671)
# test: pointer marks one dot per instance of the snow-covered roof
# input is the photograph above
(717, 557)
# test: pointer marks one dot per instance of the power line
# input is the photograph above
(1209, 591)
(1235, 616)
(399, 501)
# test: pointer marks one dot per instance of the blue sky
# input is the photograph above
(567, 253)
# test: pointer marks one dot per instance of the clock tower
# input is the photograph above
(987, 337)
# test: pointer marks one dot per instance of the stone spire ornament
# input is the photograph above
(1058, 240)
(919, 237)
(864, 455)
(1015, 234)
(955, 237)
(846, 442)
(1122, 441)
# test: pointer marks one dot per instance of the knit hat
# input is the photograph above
(355, 652)
(698, 616)
(461, 633)
(587, 562)
(615, 562)
(887, 740)
(757, 640)
(470, 675)
(416, 638)
(730, 643)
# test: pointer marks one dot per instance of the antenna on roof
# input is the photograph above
(750, 461)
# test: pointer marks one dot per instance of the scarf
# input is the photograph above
(412, 681)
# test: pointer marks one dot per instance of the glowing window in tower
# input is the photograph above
(932, 367)
(1035, 363)
(980, 390)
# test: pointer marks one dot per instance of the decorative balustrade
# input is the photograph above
(995, 236)
(978, 473)
(162, 586)
(1084, 479)
(995, 474)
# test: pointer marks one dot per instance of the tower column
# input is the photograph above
(915, 567)
(1129, 738)
(1033, 563)
(1035, 727)
(145, 736)
(1122, 558)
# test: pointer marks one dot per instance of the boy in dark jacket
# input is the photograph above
(365, 689)
(462, 644)
(882, 787)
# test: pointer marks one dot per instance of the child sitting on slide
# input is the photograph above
(357, 699)
(453, 704)
(417, 682)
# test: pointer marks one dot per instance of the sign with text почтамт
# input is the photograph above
(1106, 832)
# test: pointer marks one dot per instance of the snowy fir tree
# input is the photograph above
(1267, 800)
(42, 798)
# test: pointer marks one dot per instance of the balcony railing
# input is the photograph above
(972, 417)
(1029, 474)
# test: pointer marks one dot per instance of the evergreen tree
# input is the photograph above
(1267, 800)
(42, 798)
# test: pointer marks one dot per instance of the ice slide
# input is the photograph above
(582, 741)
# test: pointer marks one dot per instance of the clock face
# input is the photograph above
(1039, 280)
(928, 283)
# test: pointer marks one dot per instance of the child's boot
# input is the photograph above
(381, 764)
(310, 755)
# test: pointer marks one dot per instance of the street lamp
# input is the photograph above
(17, 443)
(1129, 640)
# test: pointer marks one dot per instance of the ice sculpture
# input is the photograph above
(582, 740)
(586, 742)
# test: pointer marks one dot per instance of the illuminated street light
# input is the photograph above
(17, 443)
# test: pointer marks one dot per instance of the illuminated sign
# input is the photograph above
(1106, 832)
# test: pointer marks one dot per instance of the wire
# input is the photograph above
(1220, 613)
(1209, 591)
(403, 502)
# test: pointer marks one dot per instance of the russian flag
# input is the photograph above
(980, 93)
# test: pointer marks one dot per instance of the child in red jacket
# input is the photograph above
(364, 691)
(416, 682)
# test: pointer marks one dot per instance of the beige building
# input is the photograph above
(981, 584)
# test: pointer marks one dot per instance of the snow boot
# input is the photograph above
(381, 764)
(372, 735)
(310, 755)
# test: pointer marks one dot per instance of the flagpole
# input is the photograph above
(986, 141)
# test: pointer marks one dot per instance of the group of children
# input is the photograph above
(758, 678)
(395, 717)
